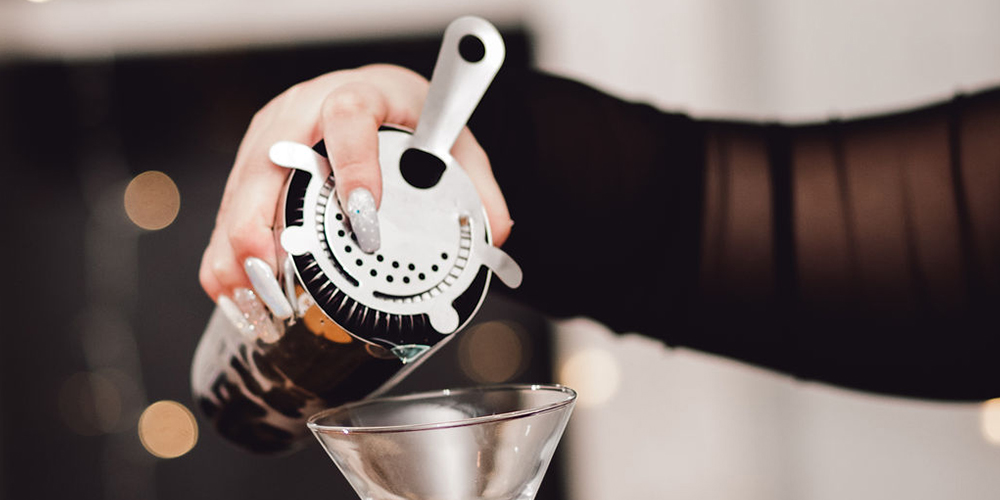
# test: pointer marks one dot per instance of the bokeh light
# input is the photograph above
(493, 352)
(167, 429)
(990, 421)
(593, 373)
(152, 200)
(90, 403)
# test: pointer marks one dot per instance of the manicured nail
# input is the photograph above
(364, 219)
(260, 324)
(267, 287)
(233, 313)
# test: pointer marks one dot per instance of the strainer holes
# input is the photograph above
(389, 278)
(406, 279)
(411, 267)
(359, 262)
(421, 276)
(341, 233)
(373, 273)
(347, 249)
(395, 264)
(379, 257)
(339, 216)
(434, 268)
(444, 256)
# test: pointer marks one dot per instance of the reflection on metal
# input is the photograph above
(989, 419)
(152, 200)
(493, 352)
(594, 374)
(167, 429)
(409, 353)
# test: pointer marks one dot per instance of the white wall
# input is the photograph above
(794, 59)
(101, 28)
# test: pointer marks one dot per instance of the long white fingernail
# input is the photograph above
(261, 325)
(364, 219)
(232, 312)
(267, 287)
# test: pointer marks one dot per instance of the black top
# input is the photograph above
(864, 253)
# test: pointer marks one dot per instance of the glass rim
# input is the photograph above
(447, 424)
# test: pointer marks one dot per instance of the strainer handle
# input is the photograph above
(471, 54)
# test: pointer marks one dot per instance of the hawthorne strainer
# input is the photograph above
(433, 268)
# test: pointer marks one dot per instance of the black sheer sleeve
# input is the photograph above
(863, 253)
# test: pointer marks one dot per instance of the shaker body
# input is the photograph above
(259, 394)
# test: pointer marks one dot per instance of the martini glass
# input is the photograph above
(479, 443)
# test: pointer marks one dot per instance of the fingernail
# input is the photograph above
(267, 287)
(232, 312)
(364, 219)
(260, 324)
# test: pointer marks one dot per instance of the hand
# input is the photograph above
(345, 109)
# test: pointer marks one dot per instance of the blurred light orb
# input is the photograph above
(167, 429)
(593, 373)
(90, 403)
(492, 352)
(152, 200)
(990, 421)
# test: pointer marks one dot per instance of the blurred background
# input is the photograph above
(119, 120)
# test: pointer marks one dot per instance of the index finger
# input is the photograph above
(351, 116)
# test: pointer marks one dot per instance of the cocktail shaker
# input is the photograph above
(360, 322)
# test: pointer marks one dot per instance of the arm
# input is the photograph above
(863, 253)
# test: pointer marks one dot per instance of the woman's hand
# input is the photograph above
(345, 109)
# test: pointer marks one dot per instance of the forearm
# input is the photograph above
(861, 253)
(854, 251)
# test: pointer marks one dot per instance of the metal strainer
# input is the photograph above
(434, 266)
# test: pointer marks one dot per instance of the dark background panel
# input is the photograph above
(92, 294)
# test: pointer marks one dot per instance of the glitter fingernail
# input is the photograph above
(232, 312)
(364, 219)
(261, 324)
